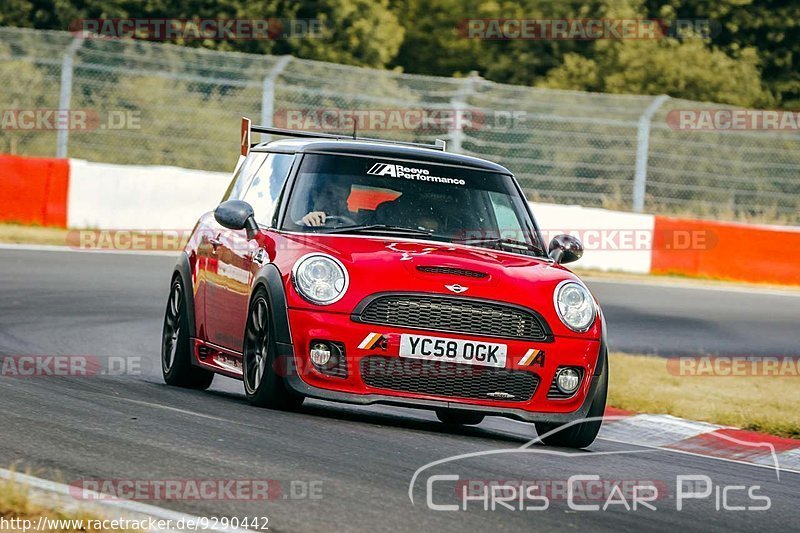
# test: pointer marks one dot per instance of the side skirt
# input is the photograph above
(217, 359)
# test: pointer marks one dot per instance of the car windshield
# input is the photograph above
(365, 195)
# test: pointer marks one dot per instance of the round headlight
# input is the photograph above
(575, 306)
(320, 279)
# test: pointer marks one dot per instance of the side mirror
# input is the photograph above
(237, 214)
(565, 249)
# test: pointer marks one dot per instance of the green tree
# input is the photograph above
(355, 32)
(772, 27)
(437, 44)
(751, 59)
(684, 69)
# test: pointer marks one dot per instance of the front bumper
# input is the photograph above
(304, 379)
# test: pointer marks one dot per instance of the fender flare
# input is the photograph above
(184, 270)
(270, 278)
(602, 355)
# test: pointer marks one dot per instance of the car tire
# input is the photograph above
(583, 434)
(176, 349)
(462, 418)
(263, 384)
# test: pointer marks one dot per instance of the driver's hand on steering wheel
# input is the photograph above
(314, 218)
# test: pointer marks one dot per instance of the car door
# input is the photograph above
(208, 235)
(215, 250)
(227, 298)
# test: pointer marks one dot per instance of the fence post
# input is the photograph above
(65, 94)
(642, 152)
(459, 105)
(268, 93)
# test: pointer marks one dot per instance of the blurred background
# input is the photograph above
(578, 121)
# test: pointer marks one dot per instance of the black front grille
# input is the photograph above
(457, 315)
(449, 380)
(452, 271)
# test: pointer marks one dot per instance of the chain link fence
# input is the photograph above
(182, 106)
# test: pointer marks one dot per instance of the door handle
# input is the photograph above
(214, 242)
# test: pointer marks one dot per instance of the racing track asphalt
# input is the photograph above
(134, 427)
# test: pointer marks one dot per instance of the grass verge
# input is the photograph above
(759, 403)
(92, 239)
(21, 234)
(684, 279)
(17, 507)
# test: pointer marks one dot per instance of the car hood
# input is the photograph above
(386, 264)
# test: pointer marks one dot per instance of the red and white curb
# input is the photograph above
(703, 439)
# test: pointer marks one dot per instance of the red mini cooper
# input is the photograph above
(367, 271)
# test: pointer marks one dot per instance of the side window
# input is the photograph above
(267, 184)
(244, 175)
(507, 222)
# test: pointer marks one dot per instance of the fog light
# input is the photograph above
(320, 354)
(568, 380)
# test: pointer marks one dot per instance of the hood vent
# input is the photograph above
(452, 271)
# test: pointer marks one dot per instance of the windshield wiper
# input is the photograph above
(388, 228)
(508, 243)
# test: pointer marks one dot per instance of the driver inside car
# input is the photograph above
(413, 209)
(328, 200)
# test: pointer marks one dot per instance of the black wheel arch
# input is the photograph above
(270, 278)
(184, 270)
(602, 356)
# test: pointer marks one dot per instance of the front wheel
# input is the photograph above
(176, 349)
(582, 434)
(263, 385)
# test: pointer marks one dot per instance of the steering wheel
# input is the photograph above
(453, 223)
(342, 220)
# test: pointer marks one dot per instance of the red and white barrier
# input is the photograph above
(81, 194)
(34, 190)
(106, 196)
(729, 250)
(613, 240)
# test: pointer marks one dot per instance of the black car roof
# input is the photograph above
(379, 149)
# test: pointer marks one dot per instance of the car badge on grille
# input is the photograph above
(374, 340)
(456, 288)
(500, 395)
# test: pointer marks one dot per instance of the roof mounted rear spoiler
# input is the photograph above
(248, 129)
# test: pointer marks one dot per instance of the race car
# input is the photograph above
(368, 271)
